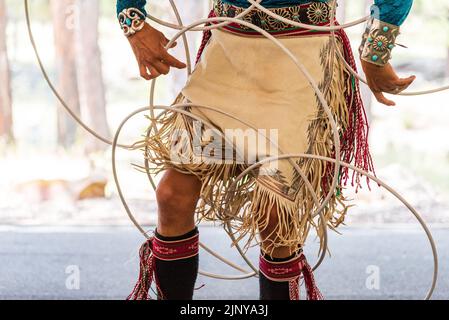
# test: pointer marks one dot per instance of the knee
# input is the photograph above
(173, 201)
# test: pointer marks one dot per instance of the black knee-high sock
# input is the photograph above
(176, 276)
(274, 290)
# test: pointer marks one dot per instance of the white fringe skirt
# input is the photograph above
(266, 107)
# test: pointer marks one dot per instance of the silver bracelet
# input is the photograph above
(131, 20)
(378, 42)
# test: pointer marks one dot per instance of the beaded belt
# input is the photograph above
(315, 13)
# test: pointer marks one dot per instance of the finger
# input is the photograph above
(172, 61)
(405, 82)
(401, 85)
(396, 90)
(393, 89)
(161, 67)
(390, 88)
(402, 89)
(381, 98)
(174, 44)
(144, 71)
(154, 73)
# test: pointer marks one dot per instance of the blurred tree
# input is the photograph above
(446, 16)
(90, 78)
(341, 10)
(436, 18)
(64, 35)
(365, 91)
(6, 129)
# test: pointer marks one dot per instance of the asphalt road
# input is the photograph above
(101, 263)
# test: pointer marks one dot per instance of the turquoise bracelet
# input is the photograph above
(131, 20)
(378, 42)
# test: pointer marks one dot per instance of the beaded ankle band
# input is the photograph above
(378, 41)
(291, 271)
(131, 20)
(156, 248)
(282, 271)
(175, 250)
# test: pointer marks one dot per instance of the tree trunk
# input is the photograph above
(6, 129)
(62, 12)
(90, 79)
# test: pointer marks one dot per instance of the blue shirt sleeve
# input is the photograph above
(393, 11)
(125, 4)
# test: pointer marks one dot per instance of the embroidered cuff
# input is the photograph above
(131, 20)
(282, 271)
(176, 250)
(378, 41)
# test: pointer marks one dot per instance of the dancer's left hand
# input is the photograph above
(385, 80)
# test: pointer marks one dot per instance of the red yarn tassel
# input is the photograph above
(355, 144)
(293, 286)
(142, 288)
(207, 34)
(313, 293)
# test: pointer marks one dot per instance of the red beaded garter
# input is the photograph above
(154, 249)
(292, 271)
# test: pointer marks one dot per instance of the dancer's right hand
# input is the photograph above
(148, 45)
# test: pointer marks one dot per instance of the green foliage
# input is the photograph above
(39, 8)
(435, 13)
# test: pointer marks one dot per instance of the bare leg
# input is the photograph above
(177, 196)
(270, 289)
(177, 265)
